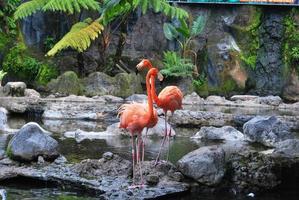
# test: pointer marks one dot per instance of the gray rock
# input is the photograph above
(31, 93)
(266, 130)
(269, 100)
(15, 89)
(206, 165)
(253, 171)
(216, 99)
(152, 179)
(288, 148)
(108, 155)
(228, 133)
(192, 99)
(30, 142)
(140, 98)
(243, 97)
(3, 119)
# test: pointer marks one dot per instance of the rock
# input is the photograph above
(139, 98)
(60, 160)
(291, 90)
(40, 160)
(115, 166)
(2, 154)
(269, 100)
(192, 99)
(252, 172)
(30, 142)
(224, 133)
(109, 99)
(206, 165)
(108, 155)
(243, 97)
(31, 93)
(122, 85)
(3, 119)
(216, 99)
(152, 179)
(107, 179)
(14, 89)
(240, 120)
(288, 148)
(67, 83)
(266, 130)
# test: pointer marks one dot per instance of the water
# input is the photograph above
(75, 152)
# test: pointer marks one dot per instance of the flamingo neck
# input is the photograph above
(149, 65)
(149, 95)
(153, 90)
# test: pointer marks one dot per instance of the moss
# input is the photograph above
(291, 43)
(67, 83)
(9, 152)
(248, 39)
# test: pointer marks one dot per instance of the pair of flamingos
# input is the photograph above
(137, 116)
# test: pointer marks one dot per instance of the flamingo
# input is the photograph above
(134, 118)
(169, 99)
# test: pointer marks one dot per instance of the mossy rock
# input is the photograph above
(122, 85)
(128, 84)
(67, 83)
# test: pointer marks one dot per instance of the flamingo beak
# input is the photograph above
(160, 77)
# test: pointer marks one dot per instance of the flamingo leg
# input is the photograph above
(163, 141)
(168, 139)
(140, 163)
(133, 159)
(143, 144)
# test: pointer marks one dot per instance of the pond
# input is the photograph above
(93, 149)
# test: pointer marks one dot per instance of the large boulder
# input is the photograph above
(30, 142)
(288, 148)
(192, 99)
(15, 89)
(206, 165)
(266, 130)
(224, 133)
(122, 85)
(67, 83)
(291, 90)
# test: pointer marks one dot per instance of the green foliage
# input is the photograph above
(198, 26)
(83, 33)
(291, 42)
(249, 52)
(68, 6)
(7, 22)
(79, 37)
(45, 74)
(2, 74)
(49, 43)
(175, 66)
(26, 68)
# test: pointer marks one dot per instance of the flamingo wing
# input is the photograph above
(134, 117)
(171, 98)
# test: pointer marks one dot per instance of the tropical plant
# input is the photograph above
(176, 66)
(7, 22)
(185, 34)
(83, 33)
(2, 74)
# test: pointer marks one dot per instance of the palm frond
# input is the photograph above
(28, 8)
(71, 6)
(68, 6)
(79, 37)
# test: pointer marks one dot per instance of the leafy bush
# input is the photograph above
(175, 66)
(45, 74)
(19, 64)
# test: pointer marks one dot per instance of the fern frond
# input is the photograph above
(79, 38)
(28, 8)
(71, 6)
(169, 10)
(198, 25)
